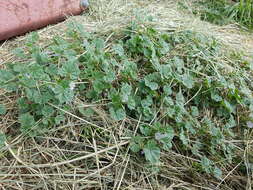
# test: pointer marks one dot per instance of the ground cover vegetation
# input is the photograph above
(144, 95)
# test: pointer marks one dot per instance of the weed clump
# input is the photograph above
(176, 84)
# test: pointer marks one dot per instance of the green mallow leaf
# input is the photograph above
(125, 92)
(117, 114)
(27, 122)
(152, 152)
(217, 173)
(118, 49)
(151, 81)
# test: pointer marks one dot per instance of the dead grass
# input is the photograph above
(69, 158)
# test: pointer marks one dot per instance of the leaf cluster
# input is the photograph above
(172, 81)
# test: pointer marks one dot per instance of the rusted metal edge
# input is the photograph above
(20, 16)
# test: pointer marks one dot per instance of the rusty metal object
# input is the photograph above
(20, 16)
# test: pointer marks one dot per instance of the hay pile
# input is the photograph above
(101, 163)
